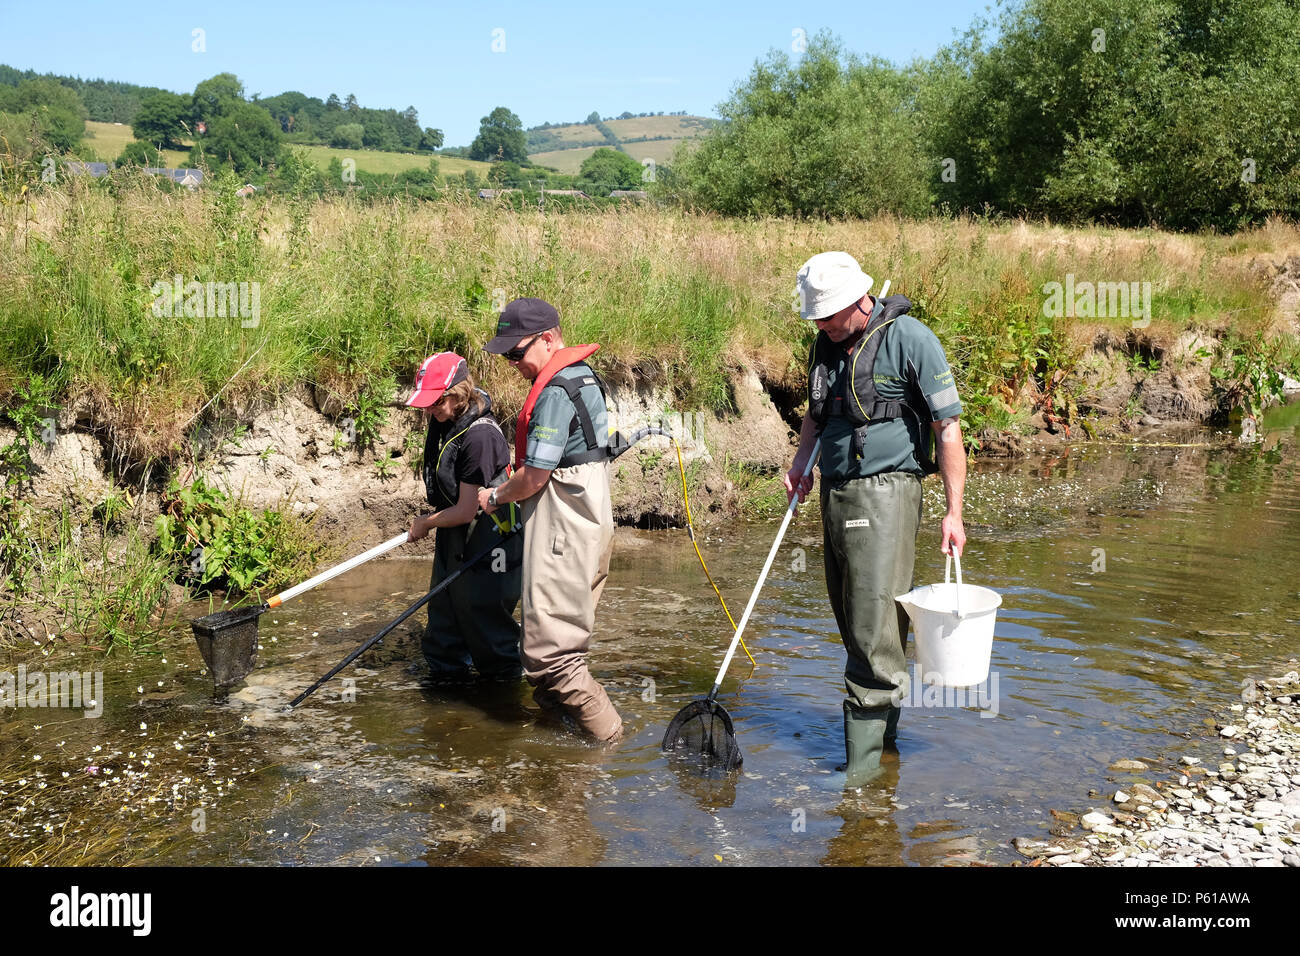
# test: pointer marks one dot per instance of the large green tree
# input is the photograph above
(162, 119)
(52, 112)
(348, 136)
(500, 137)
(1174, 112)
(609, 169)
(245, 137)
(825, 135)
(217, 96)
(140, 152)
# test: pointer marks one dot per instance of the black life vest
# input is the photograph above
(856, 397)
(440, 484)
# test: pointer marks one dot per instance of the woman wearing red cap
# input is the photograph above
(472, 621)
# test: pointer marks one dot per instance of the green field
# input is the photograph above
(375, 161)
(109, 139)
(565, 160)
(570, 160)
(680, 128)
(660, 150)
(577, 133)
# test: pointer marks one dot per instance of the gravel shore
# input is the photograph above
(1243, 812)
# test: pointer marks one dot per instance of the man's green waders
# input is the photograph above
(473, 619)
(869, 526)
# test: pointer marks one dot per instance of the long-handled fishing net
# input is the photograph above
(228, 639)
(703, 727)
(387, 629)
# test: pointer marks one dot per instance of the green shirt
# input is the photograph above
(549, 434)
(909, 350)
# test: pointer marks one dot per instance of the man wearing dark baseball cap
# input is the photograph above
(562, 477)
(520, 319)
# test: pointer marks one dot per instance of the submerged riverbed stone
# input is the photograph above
(1136, 766)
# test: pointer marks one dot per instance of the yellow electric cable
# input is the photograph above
(690, 527)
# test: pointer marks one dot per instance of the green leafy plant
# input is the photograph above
(1246, 375)
(116, 503)
(649, 460)
(1142, 364)
(18, 558)
(30, 415)
(213, 542)
(384, 467)
(370, 411)
(413, 449)
(237, 435)
(761, 493)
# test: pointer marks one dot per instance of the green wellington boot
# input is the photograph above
(864, 741)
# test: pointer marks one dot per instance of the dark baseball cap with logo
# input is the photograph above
(522, 318)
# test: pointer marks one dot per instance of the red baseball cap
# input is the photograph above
(438, 373)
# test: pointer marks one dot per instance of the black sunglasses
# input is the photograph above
(517, 353)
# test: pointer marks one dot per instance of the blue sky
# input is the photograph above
(560, 61)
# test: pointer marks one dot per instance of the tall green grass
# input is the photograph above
(354, 293)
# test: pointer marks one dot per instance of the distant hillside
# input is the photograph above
(106, 101)
(641, 137)
(107, 140)
(303, 119)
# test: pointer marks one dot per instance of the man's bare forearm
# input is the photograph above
(952, 463)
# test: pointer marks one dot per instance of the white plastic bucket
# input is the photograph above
(954, 629)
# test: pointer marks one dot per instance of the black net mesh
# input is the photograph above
(228, 642)
(703, 730)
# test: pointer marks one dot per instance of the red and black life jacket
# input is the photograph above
(565, 357)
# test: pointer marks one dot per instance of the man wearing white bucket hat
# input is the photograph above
(882, 400)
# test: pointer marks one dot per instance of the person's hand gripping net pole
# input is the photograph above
(771, 556)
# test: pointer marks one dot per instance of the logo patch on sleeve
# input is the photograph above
(857, 523)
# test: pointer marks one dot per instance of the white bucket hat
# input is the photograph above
(829, 282)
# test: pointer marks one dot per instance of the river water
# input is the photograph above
(1141, 584)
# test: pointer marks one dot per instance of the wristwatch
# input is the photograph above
(492, 498)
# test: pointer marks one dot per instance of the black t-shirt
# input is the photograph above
(483, 453)
(479, 454)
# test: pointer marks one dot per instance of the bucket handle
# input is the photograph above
(947, 578)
